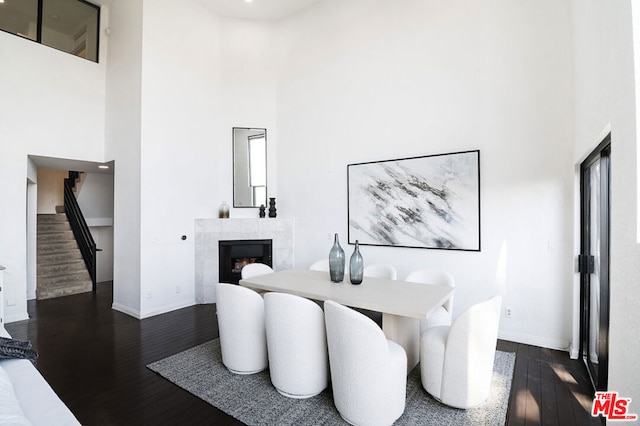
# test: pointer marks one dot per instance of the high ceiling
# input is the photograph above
(61, 17)
(75, 165)
(257, 9)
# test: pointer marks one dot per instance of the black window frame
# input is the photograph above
(39, 30)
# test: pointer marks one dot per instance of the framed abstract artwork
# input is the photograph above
(425, 202)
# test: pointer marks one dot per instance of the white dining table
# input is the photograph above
(402, 304)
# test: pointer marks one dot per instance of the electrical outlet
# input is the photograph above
(177, 289)
(149, 295)
(508, 312)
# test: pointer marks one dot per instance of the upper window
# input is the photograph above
(68, 25)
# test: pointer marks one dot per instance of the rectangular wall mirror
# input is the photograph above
(249, 167)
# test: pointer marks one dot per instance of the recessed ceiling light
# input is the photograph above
(248, 1)
(103, 167)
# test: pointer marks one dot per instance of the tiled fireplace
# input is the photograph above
(209, 232)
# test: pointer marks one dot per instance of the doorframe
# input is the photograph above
(32, 235)
(602, 154)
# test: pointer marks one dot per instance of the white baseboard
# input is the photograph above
(21, 316)
(560, 345)
(126, 310)
(158, 311)
(574, 352)
(167, 308)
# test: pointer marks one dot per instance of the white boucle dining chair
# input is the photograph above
(320, 265)
(255, 270)
(368, 372)
(442, 315)
(297, 345)
(380, 270)
(456, 362)
(241, 325)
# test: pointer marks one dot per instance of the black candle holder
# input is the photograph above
(272, 207)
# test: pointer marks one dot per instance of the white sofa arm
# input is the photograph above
(40, 404)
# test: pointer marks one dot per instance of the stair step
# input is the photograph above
(64, 268)
(58, 226)
(66, 289)
(62, 279)
(44, 248)
(60, 236)
(59, 209)
(61, 271)
(48, 218)
(58, 257)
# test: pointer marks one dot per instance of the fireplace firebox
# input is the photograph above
(235, 254)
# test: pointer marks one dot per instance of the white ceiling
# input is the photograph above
(74, 165)
(257, 9)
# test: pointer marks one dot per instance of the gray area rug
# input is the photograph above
(253, 400)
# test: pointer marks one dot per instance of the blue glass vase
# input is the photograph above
(336, 261)
(356, 266)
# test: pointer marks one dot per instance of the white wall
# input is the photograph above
(248, 92)
(32, 226)
(50, 190)
(178, 77)
(103, 237)
(605, 88)
(95, 197)
(197, 72)
(52, 105)
(122, 123)
(375, 80)
(179, 98)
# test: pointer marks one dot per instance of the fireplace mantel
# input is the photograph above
(209, 231)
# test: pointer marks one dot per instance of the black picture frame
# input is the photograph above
(430, 201)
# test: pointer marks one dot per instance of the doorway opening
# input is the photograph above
(55, 266)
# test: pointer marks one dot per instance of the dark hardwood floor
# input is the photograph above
(95, 358)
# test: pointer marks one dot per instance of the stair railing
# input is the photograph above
(79, 227)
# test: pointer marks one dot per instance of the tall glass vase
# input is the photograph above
(336, 261)
(356, 266)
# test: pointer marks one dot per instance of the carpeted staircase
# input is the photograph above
(61, 269)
